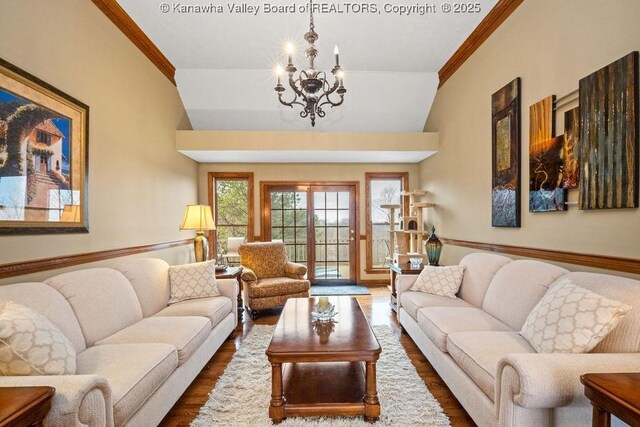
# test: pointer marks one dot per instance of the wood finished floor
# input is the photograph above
(376, 308)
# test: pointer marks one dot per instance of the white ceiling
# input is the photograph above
(224, 62)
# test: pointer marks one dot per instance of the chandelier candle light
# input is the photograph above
(311, 90)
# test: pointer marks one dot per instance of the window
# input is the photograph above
(231, 199)
(381, 188)
(43, 137)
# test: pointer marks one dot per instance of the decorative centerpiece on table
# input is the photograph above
(323, 311)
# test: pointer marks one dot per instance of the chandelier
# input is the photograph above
(311, 90)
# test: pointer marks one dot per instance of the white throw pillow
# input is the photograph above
(571, 319)
(31, 345)
(443, 281)
(189, 281)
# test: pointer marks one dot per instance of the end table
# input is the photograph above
(24, 406)
(396, 270)
(615, 393)
(234, 273)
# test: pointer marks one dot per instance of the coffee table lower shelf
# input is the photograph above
(324, 389)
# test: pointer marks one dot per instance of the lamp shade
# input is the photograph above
(197, 217)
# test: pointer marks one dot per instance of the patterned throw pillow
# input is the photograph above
(443, 281)
(571, 319)
(189, 281)
(31, 345)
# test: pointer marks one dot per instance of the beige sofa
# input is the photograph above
(474, 344)
(135, 354)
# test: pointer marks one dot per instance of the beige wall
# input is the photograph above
(309, 172)
(550, 44)
(138, 183)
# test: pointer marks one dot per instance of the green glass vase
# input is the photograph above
(433, 247)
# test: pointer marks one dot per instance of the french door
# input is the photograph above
(317, 222)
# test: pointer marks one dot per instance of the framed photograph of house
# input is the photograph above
(43, 157)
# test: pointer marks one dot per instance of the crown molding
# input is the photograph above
(496, 16)
(129, 28)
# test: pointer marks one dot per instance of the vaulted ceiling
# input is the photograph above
(224, 61)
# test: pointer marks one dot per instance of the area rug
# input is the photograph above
(241, 395)
(324, 290)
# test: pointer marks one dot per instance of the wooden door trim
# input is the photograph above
(265, 220)
(211, 176)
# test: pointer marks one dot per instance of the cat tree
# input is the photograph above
(407, 242)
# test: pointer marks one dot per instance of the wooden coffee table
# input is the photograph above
(319, 372)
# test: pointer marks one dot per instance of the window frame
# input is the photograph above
(213, 202)
(403, 177)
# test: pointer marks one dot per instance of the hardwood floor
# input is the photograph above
(376, 308)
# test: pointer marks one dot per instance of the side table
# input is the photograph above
(234, 273)
(615, 393)
(394, 271)
(24, 406)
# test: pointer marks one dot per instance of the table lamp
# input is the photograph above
(199, 218)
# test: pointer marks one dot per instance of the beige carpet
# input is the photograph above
(241, 395)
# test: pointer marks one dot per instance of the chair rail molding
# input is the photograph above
(605, 262)
(43, 264)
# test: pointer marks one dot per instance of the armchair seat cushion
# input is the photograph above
(277, 301)
(478, 354)
(134, 372)
(277, 286)
(185, 333)
(213, 308)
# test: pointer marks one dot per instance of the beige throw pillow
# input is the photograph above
(31, 345)
(189, 281)
(571, 319)
(443, 281)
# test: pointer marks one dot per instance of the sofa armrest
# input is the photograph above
(551, 380)
(78, 400)
(248, 275)
(294, 270)
(404, 282)
(229, 288)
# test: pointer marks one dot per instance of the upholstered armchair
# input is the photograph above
(269, 278)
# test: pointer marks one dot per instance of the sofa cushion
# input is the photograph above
(213, 308)
(102, 299)
(438, 322)
(186, 334)
(516, 289)
(625, 338)
(266, 259)
(51, 304)
(195, 280)
(150, 280)
(571, 319)
(134, 372)
(277, 286)
(480, 269)
(478, 354)
(412, 301)
(443, 281)
(31, 345)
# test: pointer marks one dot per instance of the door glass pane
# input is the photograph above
(332, 235)
(332, 252)
(301, 217)
(301, 252)
(276, 200)
(289, 235)
(343, 200)
(319, 254)
(332, 200)
(332, 217)
(343, 217)
(343, 234)
(288, 219)
(318, 200)
(301, 200)
(289, 223)
(320, 233)
(343, 253)
(276, 218)
(319, 217)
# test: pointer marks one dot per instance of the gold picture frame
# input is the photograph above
(43, 157)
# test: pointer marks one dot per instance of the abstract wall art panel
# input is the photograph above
(609, 136)
(505, 136)
(570, 162)
(545, 159)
